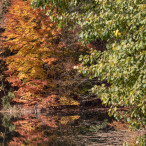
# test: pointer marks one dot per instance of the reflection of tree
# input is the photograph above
(6, 122)
(38, 130)
(57, 129)
(7, 129)
(30, 129)
(51, 130)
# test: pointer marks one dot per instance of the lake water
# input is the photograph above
(60, 129)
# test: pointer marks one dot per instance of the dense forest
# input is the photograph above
(74, 53)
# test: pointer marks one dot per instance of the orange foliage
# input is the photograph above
(31, 37)
(31, 130)
(48, 102)
(43, 57)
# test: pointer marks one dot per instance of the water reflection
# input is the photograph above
(84, 128)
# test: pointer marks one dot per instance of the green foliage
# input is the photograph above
(121, 24)
(7, 3)
(1, 83)
(96, 128)
(6, 122)
(7, 99)
(141, 140)
(123, 63)
(69, 11)
(4, 6)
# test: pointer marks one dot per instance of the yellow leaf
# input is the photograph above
(117, 33)
(68, 119)
(68, 101)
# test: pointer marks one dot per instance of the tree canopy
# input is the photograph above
(121, 24)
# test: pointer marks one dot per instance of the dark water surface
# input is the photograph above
(59, 129)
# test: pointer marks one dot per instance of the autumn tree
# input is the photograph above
(31, 37)
(42, 56)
